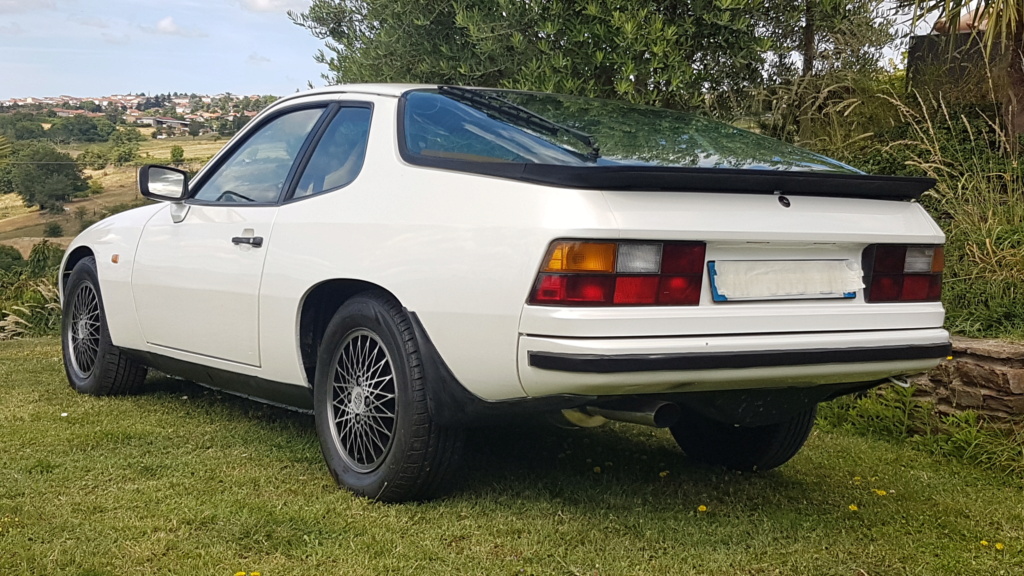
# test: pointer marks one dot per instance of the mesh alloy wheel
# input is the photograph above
(84, 335)
(363, 401)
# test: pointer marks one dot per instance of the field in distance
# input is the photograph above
(23, 227)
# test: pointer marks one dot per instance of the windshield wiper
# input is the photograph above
(526, 118)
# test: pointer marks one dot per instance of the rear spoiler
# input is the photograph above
(674, 179)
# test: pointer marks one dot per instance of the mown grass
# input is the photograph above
(180, 480)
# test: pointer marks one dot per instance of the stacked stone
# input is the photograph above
(986, 376)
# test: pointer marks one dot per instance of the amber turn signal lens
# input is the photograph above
(581, 257)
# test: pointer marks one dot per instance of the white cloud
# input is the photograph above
(255, 58)
(92, 22)
(116, 38)
(169, 27)
(12, 6)
(274, 5)
(12, 29)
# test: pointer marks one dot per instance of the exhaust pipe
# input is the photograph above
(656, 414)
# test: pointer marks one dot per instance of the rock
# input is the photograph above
(964, 397)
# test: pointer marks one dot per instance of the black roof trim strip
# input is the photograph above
(609, 364)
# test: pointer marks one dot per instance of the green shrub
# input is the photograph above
(53, 230)
(10, 258)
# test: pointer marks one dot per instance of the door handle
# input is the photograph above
(254, 241)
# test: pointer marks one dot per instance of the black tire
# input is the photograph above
(743, 448)
(370, 406)
(91, 361)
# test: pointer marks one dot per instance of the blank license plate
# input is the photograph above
(739, 280)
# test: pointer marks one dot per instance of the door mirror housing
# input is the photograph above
(163, 183)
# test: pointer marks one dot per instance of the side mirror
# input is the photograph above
(163, 183)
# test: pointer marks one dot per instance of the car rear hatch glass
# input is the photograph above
(602, 144)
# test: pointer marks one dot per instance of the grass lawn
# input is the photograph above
(180, 480)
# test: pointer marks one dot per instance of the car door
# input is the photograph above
(197, 270)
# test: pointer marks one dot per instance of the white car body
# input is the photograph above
(462, 252)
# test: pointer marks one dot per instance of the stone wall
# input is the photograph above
(986, 376)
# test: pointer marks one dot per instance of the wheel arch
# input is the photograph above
(77, 255)
(318, 307)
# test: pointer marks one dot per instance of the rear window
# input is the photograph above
(471, 126)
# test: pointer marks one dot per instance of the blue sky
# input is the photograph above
(102, 47)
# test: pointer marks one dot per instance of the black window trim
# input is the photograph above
(307, 152)
(327, 108)
(675, 179)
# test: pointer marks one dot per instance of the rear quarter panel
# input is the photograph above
(460, 251)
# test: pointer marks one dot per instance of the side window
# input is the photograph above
(339, 154)
(256, 171)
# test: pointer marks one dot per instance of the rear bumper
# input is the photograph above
(606, 363)
(655, 365)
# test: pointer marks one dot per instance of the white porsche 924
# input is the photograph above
(410, 261)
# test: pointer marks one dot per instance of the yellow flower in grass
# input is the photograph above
(597, 469)
(999, 546)
(853, 508)
(881, 492)
(702, 508)
(240, 574)
(984, 542)
(254, 574)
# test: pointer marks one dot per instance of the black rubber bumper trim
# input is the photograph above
(608, 364)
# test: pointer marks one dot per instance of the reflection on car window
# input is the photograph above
(256, 171)
(339, 154)
(522, 127)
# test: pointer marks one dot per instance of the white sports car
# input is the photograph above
(410, 261)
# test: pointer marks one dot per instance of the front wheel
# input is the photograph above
(370, 406)
(743, 448)
(91, 361)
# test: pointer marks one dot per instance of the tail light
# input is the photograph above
(579, 273)
(898, 273)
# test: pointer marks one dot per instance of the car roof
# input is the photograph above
(393, 90)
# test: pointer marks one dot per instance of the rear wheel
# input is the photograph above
(370, 404)
(91, 361)
(743, 448)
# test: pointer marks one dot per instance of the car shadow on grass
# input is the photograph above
(533, 460)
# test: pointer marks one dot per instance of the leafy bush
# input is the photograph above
(53, 230)
(10, 258)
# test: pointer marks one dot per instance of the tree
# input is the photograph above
(28, 131)
(681, 54)
(1004, 28)
(124, 145)
(45, 177)
(113, 113)
(177, 154)
(194, 128)
(77, 129)
(5, 150)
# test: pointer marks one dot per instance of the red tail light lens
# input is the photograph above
(621, 274)
(897, 273)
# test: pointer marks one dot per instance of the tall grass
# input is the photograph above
(896, 415)
(29, 300)
(979, 202)
(961, 141)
